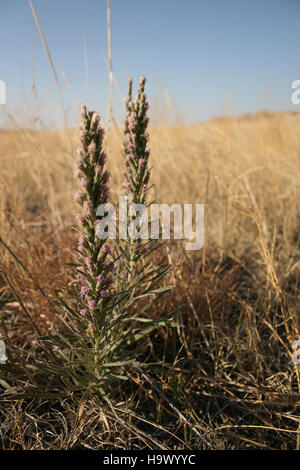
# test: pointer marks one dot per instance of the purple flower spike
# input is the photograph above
(83, 136)
(98, 170)
(89, 206)
(78, 197)
(85, 182)
(136, 144)
(81, 220)
(84, 292)
(105, 177)
(110, 266)
(102, 159)
(89, 262)
(100, 279)
(106, 196)
(81, 248)
(92, 147)
(94, 191)
(77, 173)
(92, 304)
(83, 240)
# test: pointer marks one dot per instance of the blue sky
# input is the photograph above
(237, 54)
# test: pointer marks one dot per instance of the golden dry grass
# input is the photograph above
(220, 163)
(240, 294)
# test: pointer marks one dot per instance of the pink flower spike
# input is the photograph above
(102, 293)
(89, 206)
(98, 170)
(85, 182)
(110, 265)
(84, 292)
(81, 248)
(83, 135)
(92, 147)
(80, 219)
(106, 249)
(105, 177)
(102, 158)
(100, 279)
(92, 305)
(78, 197)
(83, 240)
(77, 173)
(90, 328)
(89, 262)
(83, 312)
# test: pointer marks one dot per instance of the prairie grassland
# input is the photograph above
(232, 383)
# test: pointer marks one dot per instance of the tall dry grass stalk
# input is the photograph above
(50, 62)
(111, 78)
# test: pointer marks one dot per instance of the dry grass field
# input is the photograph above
(230, 382)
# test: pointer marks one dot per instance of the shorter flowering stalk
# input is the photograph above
(95, 270)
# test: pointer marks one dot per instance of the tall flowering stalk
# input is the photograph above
(137, 153)
(95, 272)
(136, 145)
